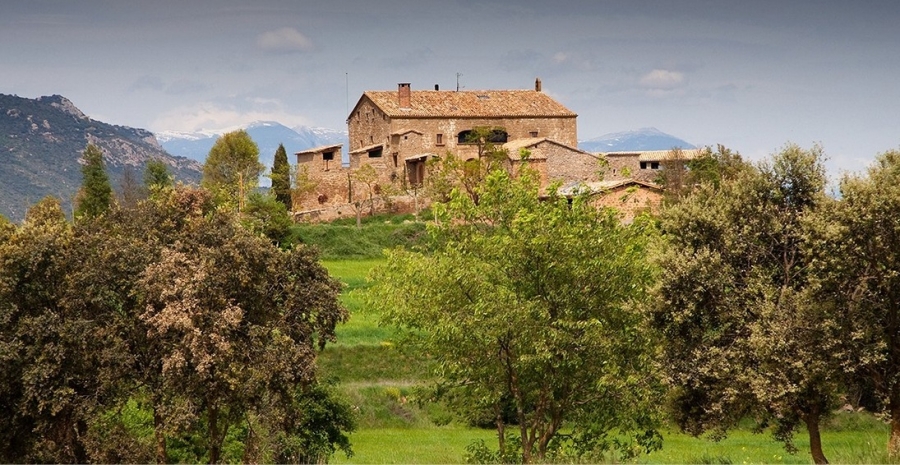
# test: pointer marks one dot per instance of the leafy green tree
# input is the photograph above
(232, 169)
(96, 193)
(267, 216)
(281, 177)
(856, 246)
(157, 176)
(742, 333)
(529, 307)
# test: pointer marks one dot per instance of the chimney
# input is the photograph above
(436, 87)
(537, 85)
(403, 90)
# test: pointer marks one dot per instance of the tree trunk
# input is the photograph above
(815, 439)
(162, 455)
(214, 443)
(894, 441)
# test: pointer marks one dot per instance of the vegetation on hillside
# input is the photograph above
(174, 324)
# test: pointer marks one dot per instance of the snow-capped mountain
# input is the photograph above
(266, 134)
(640, 139)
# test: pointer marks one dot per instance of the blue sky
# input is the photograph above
(750, 75)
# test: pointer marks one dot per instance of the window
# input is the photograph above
(328, 155)
(533, 133)
(396, 156)
(643, 165)
(440, 139)
(375, 153)
(371, 139)
(654, 165)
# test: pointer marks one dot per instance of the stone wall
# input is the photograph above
(629, 200)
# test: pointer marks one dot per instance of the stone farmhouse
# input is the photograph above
(397, 132)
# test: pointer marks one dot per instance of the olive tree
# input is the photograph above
(742, 333)
(856, 247)
(529, 308)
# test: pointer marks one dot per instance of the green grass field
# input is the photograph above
(380, 380)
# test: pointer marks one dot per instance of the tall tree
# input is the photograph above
(96, 194)
(857, 254)
(232, 169)
(742, 333)
(157, 176)
(281, 177)
(529, 310)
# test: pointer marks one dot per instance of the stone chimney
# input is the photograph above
(403, 91)
(537, 85)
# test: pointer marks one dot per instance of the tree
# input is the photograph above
(742, 333)
(232, 169)
(98, 316)
(680, 176)
(238, 322)
(49, 347)
(531, 304)
(364, 191)
(856, 247)
(281, 177)
(157, 176)
(95, 195)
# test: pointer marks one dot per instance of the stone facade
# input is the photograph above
(643, 166)
(397, 132)
(627, 196)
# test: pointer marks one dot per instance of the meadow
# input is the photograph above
(395, 424)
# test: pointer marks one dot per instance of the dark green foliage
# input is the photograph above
(157, 176)
(95, 195)
(171, 304)
(742, 335)
(281, 177)
(265, 215)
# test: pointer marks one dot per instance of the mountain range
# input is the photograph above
(636, 140)
(266, 134)
(41, 141)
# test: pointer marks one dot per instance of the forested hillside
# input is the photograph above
(41, 141)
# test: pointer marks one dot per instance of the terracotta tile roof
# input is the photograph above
(470, 104)
(654, 155)
(367, 148)
(599, 187)
(321, 148)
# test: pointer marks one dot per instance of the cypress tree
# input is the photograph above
(95, 195)
(281, 177)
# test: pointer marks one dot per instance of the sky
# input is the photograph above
(751, 75)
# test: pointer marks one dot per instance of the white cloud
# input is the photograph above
(284, 40)
(213, 116)
(662, 80)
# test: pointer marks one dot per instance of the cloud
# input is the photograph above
(158, 84)
(662, 80)
(227, 115)
(148, 82)
(284, 40)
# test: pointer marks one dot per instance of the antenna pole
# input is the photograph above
(347, 98)
(457, 81)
